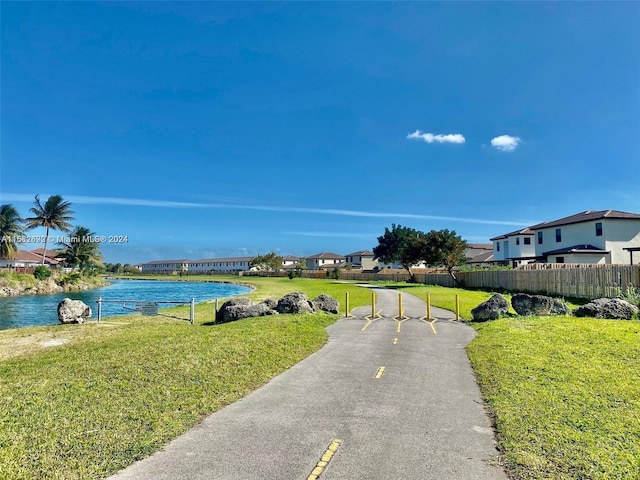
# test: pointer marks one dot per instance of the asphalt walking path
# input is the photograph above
(387, 398)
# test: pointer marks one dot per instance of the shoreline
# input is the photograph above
(48, 287)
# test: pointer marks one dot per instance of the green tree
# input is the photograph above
(401, 245)
(300, 266)
(11, 228)
(444, 247)
(54, 214)
(269, 262)
(82, 250)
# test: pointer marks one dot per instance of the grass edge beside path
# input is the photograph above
(115, 394)
(564, 392)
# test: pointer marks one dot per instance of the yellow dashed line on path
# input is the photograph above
(395, 341)
(400, 320)
(430, 323)
(380, 372)
(324, 460)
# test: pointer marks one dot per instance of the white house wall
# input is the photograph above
(616, 235)
(619, 234)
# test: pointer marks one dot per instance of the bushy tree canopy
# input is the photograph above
(269, 262)
(408, 247)
(399, 245)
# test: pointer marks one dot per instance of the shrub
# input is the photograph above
(41, 272)
(632, 295)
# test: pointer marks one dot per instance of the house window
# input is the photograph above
(599, 229)
(539, 238)
(498, 247)
(517, 240)
(559, 259)
(558, 235)
(527, 241)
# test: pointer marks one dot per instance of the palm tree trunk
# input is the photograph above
(44, 251)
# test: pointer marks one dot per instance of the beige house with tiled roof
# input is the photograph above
(26, 258)
(363, 259)
(324, 260)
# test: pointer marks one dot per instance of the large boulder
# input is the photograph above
(492, 309)
(238, 308)
(614, 308)
(295, 303)
(325, 303)
(73, 311)
(539, 305)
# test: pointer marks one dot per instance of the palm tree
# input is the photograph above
(10, 229)
(82, 250)
(55, 214)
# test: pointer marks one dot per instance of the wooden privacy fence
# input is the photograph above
(586, 282)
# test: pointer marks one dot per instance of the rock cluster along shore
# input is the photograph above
(242, 307)
(540, 305)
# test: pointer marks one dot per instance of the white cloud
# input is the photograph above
(506, 143)
(439, 138)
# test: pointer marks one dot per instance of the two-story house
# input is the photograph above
(324, 260)
(602, 236)
(363, 259)
(514, 248)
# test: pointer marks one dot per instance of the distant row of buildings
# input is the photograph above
(362, 260)
(589, 237)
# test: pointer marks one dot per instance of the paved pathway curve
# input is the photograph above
(383, 400)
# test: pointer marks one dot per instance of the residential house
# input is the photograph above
(289, 262)
(26, 258)
(229, 264)
(166, 266)
(324, 260)
(592, 236)
(363, 259)
(514, 248)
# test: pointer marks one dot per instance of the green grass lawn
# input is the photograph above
(565, 395)
(564, 392)
(118, 391)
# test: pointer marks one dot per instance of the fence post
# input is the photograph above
(99, 309)
(192, 310)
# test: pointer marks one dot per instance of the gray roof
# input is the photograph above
(587, 216)
(576, 249)
(326, 255)
(522, 231)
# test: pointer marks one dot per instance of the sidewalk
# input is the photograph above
(390, 400)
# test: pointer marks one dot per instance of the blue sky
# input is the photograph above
(212, 129)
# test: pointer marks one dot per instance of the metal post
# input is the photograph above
(192, 310)
(373, 304)
(457, 307)
(99, 309)
(428, 306)
(346, 306)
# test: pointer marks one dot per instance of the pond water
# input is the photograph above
(30, 310)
